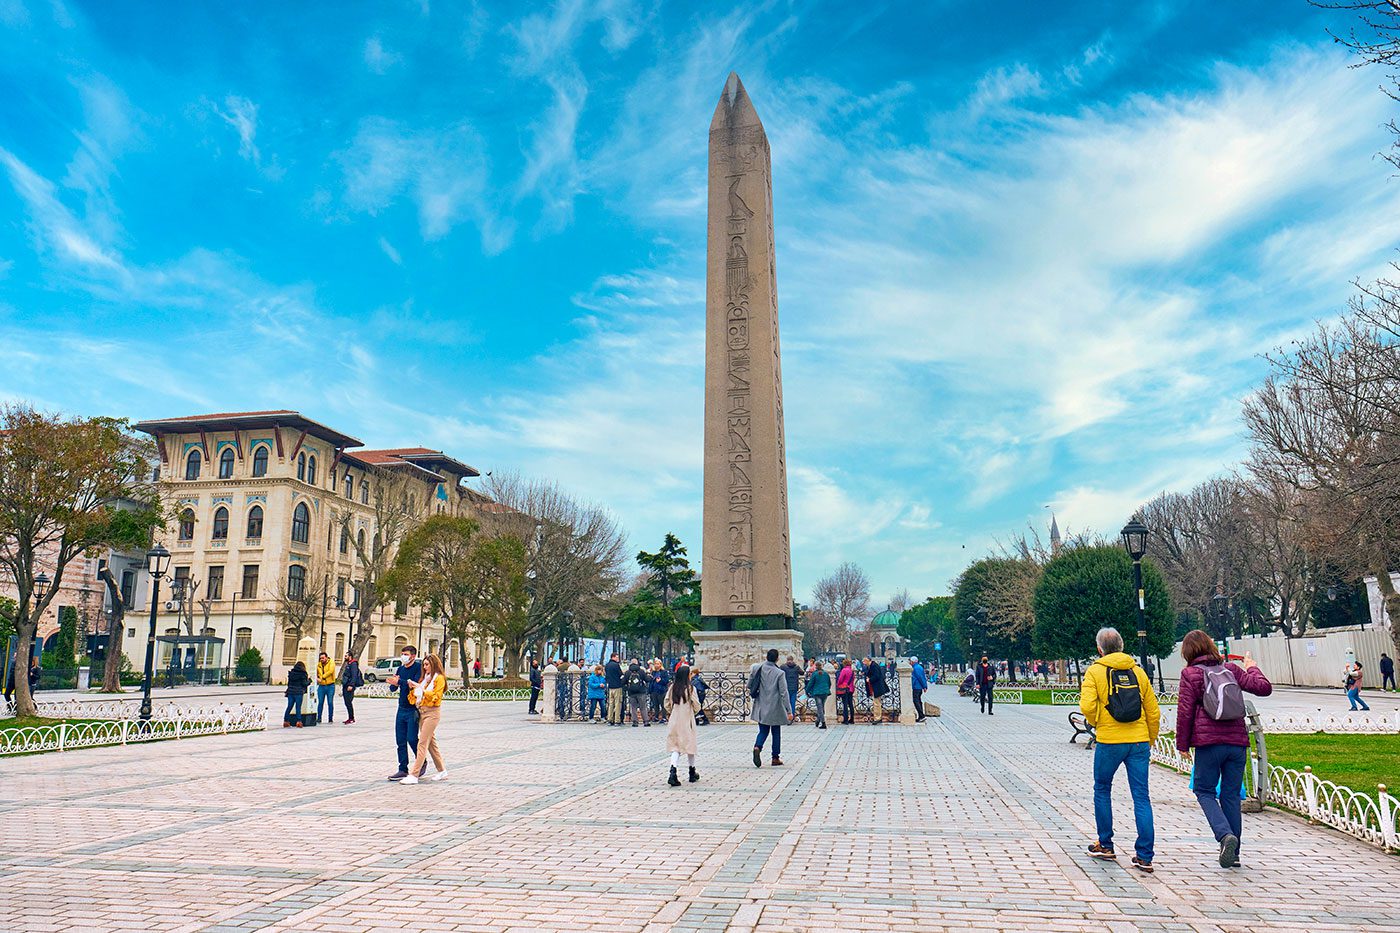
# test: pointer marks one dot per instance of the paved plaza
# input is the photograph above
(966, 822)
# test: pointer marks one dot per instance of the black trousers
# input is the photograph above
(1388, 679)
(348, 695)
(846, 707)
(919, 705)
(984, 697)
(534, 697)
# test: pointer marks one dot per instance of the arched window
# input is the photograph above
(311, 470)
(242, 641)
(260, 461)
(221, 524)
(371, 648)
(339, 646)
(360, 540)
(400, 643)
(301, 524)
(403, 503)
(301, 466)
(192, 464)
(296, 581)
(289, 648)
(349, 485)
(187, 525)
(255, 519)
(226, 464)
(364, 492)
(344, 540)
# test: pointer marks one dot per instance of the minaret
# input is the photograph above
(746, 567)
(1054, 535)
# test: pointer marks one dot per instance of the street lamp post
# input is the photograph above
(41, 589)
(157, 563)
(231, 609)
(1135, 541)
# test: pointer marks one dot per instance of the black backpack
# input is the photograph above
(1124, 694)
(635, 682)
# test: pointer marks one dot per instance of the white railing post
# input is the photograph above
(1310, 792)
(547, 694)
(1387, 806)
(126, 727)
(62, 735)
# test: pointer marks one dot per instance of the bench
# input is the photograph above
(1081, 726)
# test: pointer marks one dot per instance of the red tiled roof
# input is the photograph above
(229, 414)
(232, 420)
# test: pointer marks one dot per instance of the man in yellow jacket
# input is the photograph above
(1117, 700)
(325, 687)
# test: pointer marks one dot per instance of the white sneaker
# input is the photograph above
(439, 776)
(411, 779)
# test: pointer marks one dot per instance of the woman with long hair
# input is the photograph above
(1210, 720)
(427, 696)
(681, 706)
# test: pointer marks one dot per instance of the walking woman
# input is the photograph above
(1210, 725)
(819, 688)
(350, 680)
(681, 706)
(846, 693)
(427, 696)
(297, 680)
(1354, 688)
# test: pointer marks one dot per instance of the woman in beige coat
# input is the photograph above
(681, 706)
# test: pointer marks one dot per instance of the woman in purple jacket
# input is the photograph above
(1221, 745)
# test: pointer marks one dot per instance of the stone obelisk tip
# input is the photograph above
(734, 108)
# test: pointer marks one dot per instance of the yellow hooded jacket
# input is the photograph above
(1093, 703)
(325, 672)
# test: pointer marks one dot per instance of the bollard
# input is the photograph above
(547, 694)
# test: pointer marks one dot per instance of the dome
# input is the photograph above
(887, 619)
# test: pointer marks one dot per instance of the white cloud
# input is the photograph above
(379, 59)
(389, 251)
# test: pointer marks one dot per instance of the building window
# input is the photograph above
(301, 466)
(181, 581)
(340, 591)
(344, 540)
(250, 582)
(226, 464)
(289, 647)
(364, 492)
(221, 524)
(339, 646)
(167, 648)
(242, 641)
(187, 525)
(255, 515)
(155, 474)
(371, 648)
(349, 485)
(311, 470)
(296, 581)
(360, 541)
(216, 583)
(301, 524)
(260, 461)
(400, 643)
(129, 589)
(192, 464)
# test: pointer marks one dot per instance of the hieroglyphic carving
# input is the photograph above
(738, 407)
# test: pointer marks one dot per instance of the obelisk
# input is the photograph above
(746, 569)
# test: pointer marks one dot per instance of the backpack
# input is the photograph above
(1222, 699)
(635, 682)
(1124, 694)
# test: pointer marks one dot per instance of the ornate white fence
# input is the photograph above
(1382, 723)
(1372, 818)
(119, 728)
(381, 691)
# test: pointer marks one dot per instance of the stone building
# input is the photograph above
(260, 500)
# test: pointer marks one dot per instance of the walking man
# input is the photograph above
(918, 682)
(768, 687)
(1117, 700)
(406, 716)
(986, 682)
(1387, 672)
(792, 673)
(612, 673)
(536, 683)
(325, 688)
(877, 688)
(350, 680)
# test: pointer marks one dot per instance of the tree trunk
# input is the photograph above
(24, 700)
(111, 669)
(1390, 601)
(512, 665)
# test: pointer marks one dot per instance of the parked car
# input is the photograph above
(383, 669)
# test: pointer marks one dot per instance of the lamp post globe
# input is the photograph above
(157, 563)
(1135, 542)
(41, 587)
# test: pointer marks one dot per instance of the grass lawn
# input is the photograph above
(1035, 697)
(1358, 761)
(26, 722)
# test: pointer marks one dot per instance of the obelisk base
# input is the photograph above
(738, 651)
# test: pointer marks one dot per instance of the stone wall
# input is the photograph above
(738, 651)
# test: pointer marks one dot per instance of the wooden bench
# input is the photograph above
(1081, 726)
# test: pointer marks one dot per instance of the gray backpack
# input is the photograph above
(1223, 699)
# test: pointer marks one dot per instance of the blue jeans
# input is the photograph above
(777, 738)
(293, 700)
(1219, 766)
(1137, 756)
(1354, 695)
(792, 702)
(596, 703)
(325, 699)
(406, 734)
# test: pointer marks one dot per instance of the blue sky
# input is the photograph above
(1028, 253)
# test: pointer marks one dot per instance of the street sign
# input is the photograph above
(938, 646)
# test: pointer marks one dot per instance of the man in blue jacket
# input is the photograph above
(406, 717)
(613, 672)
(918, 682)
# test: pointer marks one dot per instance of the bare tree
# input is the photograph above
(1374, 38)
(900, 601)
(840, 602)
(298, 602)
